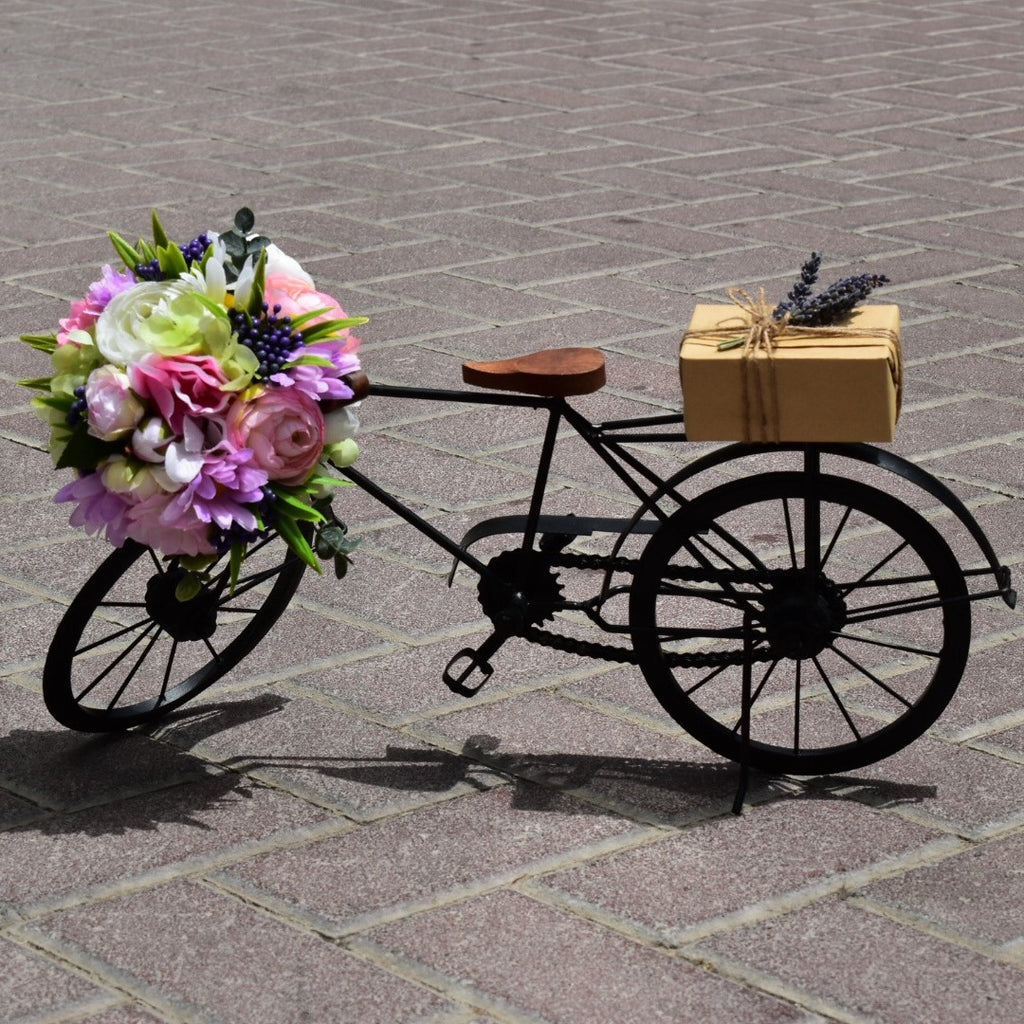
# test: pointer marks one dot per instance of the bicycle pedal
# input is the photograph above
(456, 683)
(478, 662)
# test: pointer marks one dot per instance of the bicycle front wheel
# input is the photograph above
(128, 651)
(850, 605)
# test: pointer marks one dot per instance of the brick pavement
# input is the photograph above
(333, 836)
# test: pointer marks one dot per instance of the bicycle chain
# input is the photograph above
(691, 575)
(610, 652)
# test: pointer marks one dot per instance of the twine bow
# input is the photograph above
(760, 340)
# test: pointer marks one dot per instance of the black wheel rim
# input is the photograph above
(127, 651)
(856, 649)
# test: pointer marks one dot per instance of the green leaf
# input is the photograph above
(85, 452)
(321, 480)
(303, 318)
(244, 220)
(160, 239)
(292, 536)
(210, 306)
(129, 256)
(62, 403)
(172, 262)
(331, 327)
(297, 509)
(258, 284)
(308, 360)
(724, 346)
(37, 383)
(146, 251)
(236, 560)
(41, 342)
(188, 587)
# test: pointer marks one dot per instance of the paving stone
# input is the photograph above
(558, 742)
(224, 955)
(599, 974)
(56, 858)
(34, 986)
(859, 961)
(706, 873)
(975, 893)
(417, 859)
(607, 167)
(327, 756)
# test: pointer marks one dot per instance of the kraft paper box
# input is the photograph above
(844, 387)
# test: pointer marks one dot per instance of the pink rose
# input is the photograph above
(296, 297)
(284, 428)
(113, 409)
(181, 386)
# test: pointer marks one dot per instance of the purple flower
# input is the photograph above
(99, 511)
(85, 313)
(323, 383)
(228, 481)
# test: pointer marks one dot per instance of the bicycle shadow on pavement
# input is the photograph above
(72, 783)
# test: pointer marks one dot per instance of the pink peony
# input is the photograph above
(85, 313)
(181, 386)
(113, 409)
(296, 297)
(285, 430)
(151, 522)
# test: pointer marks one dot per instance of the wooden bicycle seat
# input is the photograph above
(551, 372)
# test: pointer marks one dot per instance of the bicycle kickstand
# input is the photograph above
(478, 661)
(741, 789)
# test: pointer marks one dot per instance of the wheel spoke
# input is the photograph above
(124, 631)
(796, 705)
(870, 675)
(903, 606)
(755, 694)
(838, 701)
(131, 673)
(835, 538)
(877, 568)
(117, 661)
(907, 648)
(791, 540)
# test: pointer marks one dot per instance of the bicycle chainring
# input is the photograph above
(523, 590)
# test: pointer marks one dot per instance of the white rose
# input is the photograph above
(120, 337)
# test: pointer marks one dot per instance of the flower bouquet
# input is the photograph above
(200, 393)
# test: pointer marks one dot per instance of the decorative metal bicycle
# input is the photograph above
(796, 620)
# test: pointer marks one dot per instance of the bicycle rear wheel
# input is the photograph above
(858, 619)
(127, 651)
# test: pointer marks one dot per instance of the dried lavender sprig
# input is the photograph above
(836, 301)
(801, 291)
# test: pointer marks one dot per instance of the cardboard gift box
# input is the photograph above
(839, 383)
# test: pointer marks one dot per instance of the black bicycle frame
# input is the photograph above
(605, 439)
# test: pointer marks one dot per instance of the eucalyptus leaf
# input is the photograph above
(244, 220)
(188, 587)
